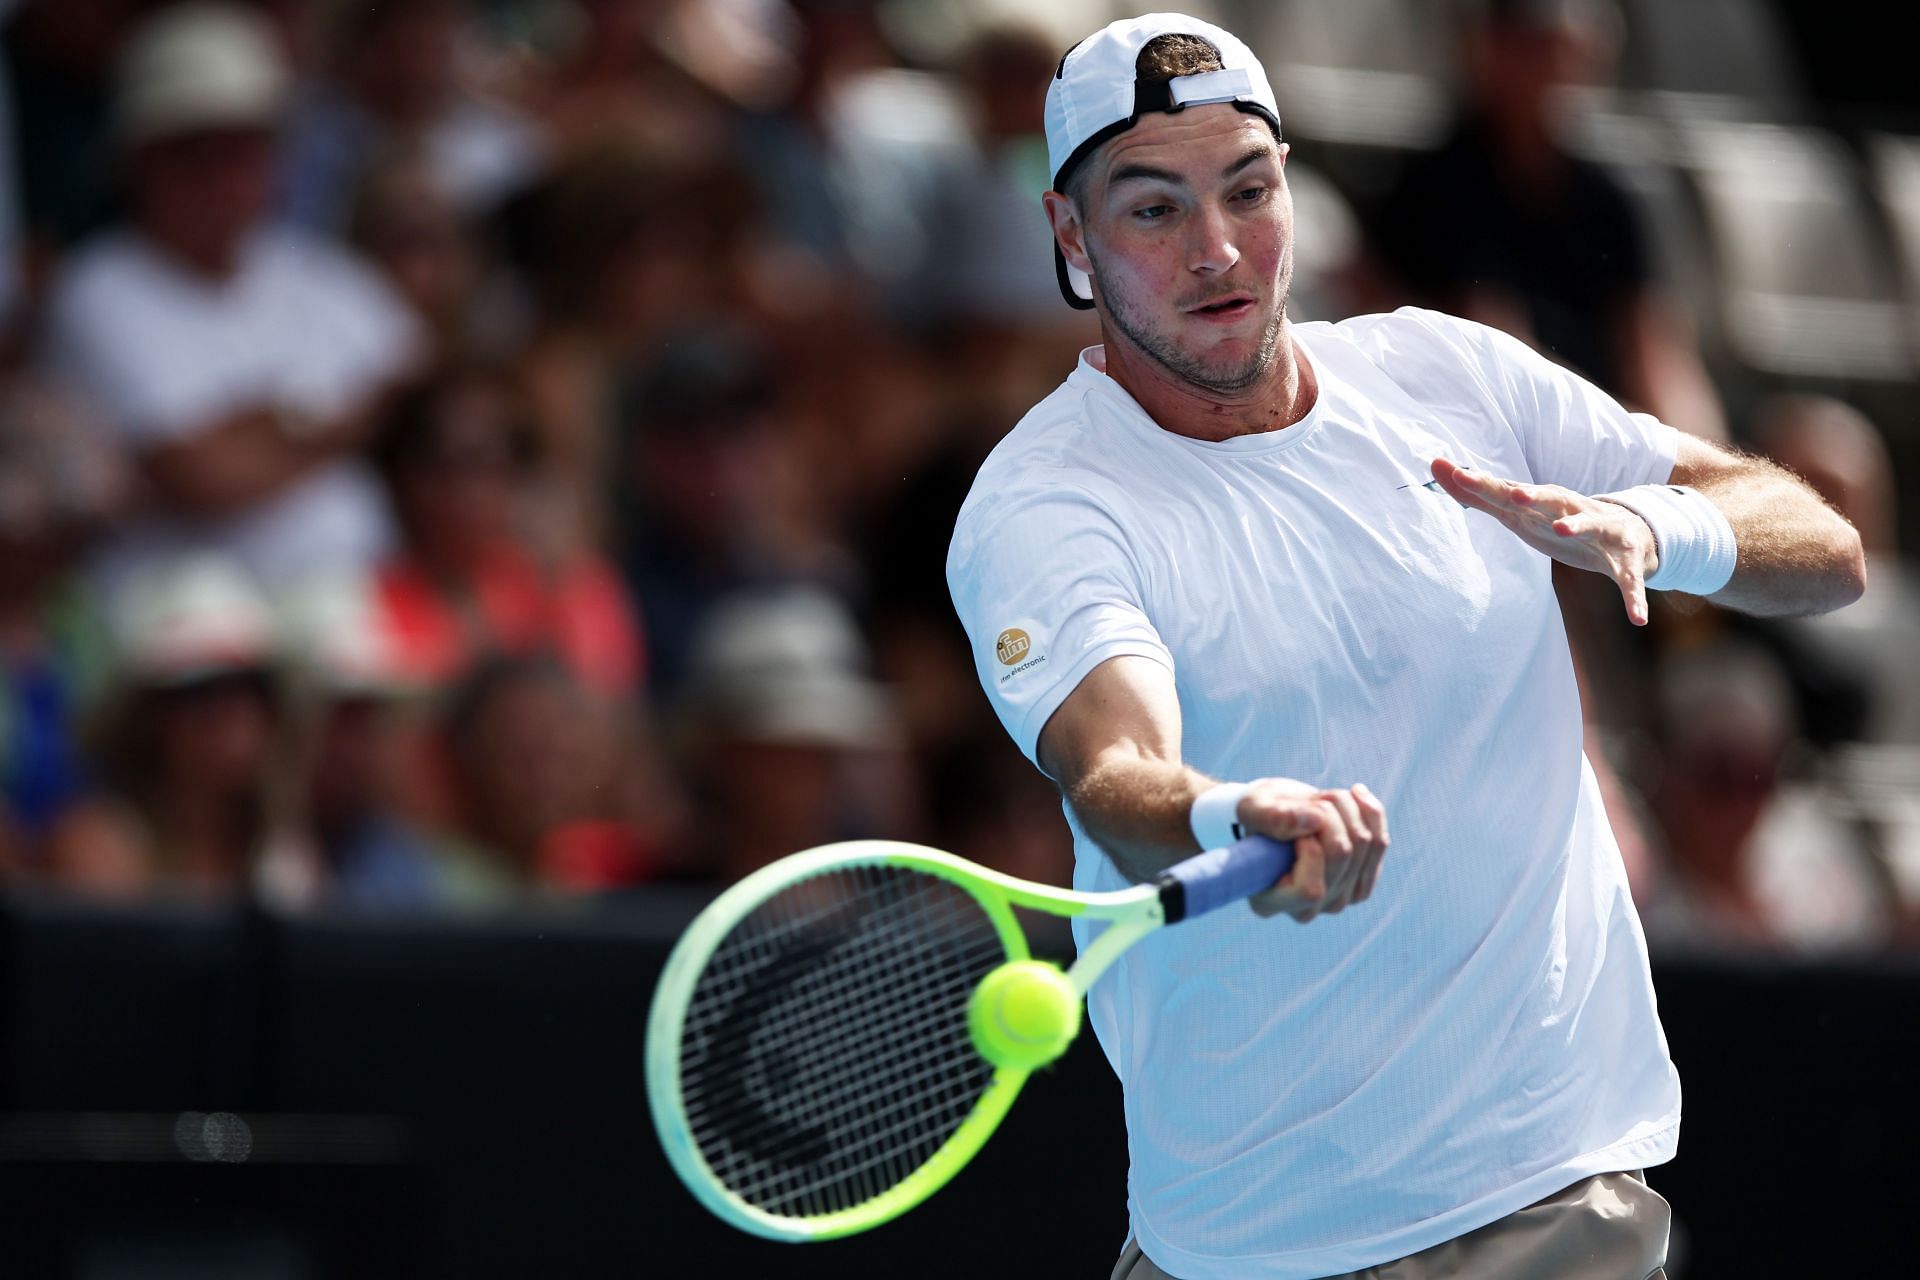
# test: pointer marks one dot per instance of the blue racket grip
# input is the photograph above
(1221, 876)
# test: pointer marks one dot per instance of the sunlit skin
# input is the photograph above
(1188, 236)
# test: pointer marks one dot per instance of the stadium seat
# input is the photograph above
(1713, 58)
(1626, 134)
(1362, 72)
(1805, 282)
(1894, 161)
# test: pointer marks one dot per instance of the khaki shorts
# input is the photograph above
(1609, 1227)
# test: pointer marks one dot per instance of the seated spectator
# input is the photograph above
(1756, 860)
(627, 254)
(537, 772)
(1843, 456)
(194, 749)
(845, 159)
(398, 86)
(790, 742)
(239, 364)
(712, 484)
(616, 84)
(59, 481)
(361, 782)
(468, 584)
(989, 250)
(1503, 224)
(1855, 669)
(410, 230)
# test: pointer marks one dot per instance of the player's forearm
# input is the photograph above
(1796, 554)
(1138, 809)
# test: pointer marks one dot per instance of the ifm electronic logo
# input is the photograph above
(1014, 648)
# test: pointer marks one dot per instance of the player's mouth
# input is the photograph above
(1228, 307)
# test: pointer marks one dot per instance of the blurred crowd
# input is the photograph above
(457, 452)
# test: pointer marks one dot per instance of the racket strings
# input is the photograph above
(825, 1055)
(855, 1134)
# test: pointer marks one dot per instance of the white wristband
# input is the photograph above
(1214, 818)
(1691, 534)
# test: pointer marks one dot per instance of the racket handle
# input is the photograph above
(1221, 876)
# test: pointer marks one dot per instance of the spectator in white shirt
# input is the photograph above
(240, 364)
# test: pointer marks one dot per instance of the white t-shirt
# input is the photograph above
(1305, 1101)
(302, 324)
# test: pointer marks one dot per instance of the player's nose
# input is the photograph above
(1211, 248)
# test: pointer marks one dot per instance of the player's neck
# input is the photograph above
(1280, 397)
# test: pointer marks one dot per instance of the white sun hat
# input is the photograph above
(1096, 93)
(200, 65)
(191, 619)
(789, 665)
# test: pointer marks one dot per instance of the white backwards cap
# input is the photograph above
(1095, 95)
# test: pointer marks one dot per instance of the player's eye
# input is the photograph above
(1153, 212)
(1252, 195)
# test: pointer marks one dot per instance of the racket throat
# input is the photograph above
(1173, 897)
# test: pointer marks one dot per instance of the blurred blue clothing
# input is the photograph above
(45, 692)
(41, 769)
(381, 862)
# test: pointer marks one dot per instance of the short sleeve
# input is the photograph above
(94, 344)
(1571, 432)
(1047, 589)
(362, 334)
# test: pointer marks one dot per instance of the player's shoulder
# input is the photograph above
(1428, 353)
(1056, 455)
(1386, 336)
(1052, 445)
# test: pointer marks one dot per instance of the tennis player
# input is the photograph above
(1236, 575)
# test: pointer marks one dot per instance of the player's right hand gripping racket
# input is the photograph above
(837, 1035)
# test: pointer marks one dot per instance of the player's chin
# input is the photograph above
(1217, 341)
(1237, 353)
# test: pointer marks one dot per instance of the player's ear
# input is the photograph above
(1069, 232)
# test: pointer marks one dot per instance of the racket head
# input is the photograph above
(809, 1065)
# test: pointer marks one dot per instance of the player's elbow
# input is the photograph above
(1838, 577)
(1851, 580)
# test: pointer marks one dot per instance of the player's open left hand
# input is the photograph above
(1587, 533)
(1339, 835)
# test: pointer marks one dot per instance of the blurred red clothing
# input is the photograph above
(509, 604)
(586, 856)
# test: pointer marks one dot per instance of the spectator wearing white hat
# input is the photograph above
(361, 787)
(194, 746)
(792, 742)
(239, 363)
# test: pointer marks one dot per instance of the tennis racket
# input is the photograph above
(837, 1034)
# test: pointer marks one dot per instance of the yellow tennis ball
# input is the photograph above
(1024, 1014)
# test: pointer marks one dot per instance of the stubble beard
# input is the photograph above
(1189, 368)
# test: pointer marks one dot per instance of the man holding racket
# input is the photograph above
(1238, 575)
